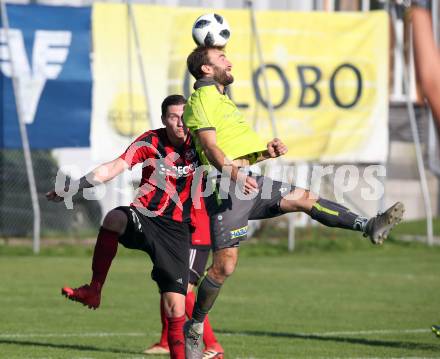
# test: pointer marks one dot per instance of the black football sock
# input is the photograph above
(333, 214)
(206, 295)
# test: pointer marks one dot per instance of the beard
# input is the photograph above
(222, 76)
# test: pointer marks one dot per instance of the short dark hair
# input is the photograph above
(170, 101)
(199, 57)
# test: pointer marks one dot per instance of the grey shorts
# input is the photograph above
(230, 211)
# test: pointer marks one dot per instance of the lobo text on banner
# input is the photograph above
(327, 72)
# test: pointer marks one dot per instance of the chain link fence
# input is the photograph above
(16, 215)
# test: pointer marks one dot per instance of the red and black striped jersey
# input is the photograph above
(167, 172)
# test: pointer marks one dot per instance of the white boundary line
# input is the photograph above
(139, 334)
(334, 334)
(382, 358)
(373, 332)
(69, 335)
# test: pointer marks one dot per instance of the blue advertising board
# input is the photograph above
(48, 58)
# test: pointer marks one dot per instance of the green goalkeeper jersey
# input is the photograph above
(208, 109)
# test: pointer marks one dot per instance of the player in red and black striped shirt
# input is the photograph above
(165, 188)
(198, 257)
(158, 220)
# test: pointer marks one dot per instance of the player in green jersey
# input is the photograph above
(226, 142)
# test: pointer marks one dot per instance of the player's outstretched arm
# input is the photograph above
(217, 158)
(101, 174)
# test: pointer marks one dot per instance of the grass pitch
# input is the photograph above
(330, 299)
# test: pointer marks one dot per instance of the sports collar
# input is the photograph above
(208, 81)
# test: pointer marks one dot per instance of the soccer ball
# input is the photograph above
(211, 30)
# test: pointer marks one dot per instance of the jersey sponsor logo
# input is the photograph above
(240, 232)
(162, 169)
(184, 171)
(50, 51)
(178, 171)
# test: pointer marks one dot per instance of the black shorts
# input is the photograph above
(229, 212)
(197, 263)
(167, 243)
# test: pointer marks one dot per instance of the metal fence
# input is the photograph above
(16, 215)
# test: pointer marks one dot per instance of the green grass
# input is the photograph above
(336, 296)
(331, 298)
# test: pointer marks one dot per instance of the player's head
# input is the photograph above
(172, 113)
(210, 61)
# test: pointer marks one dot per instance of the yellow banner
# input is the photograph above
(327, 74)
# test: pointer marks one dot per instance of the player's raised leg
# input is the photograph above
(105, 250)
(333, 214)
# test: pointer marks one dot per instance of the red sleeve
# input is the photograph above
(139, 150)
(200, 220)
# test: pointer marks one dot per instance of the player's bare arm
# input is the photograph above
(101, 174)
(217, 158)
